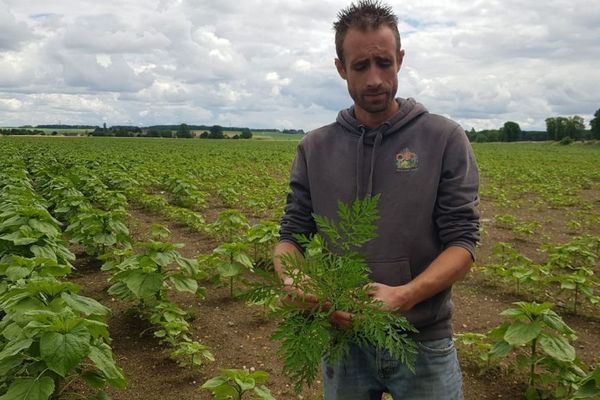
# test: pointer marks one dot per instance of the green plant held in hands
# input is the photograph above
(233, 384)
(333, 271)
(553, 368)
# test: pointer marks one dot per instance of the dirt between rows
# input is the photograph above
(238, 334)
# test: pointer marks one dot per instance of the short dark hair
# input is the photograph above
(364, 15)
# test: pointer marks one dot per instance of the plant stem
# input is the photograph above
(576, 295)
(533, 362)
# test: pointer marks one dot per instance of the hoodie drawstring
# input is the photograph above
(376, 144)
(360, 150)
(360, 159)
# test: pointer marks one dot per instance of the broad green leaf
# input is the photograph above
(519, 333)
(569, 285)
(587, 390)
(97, 328)
(244, 260)
(260, 376)
(14, 273)
(93, 379)
(18, 240)
(121, 291)
(15, 347)
(30, 389)
(106, 239)
(554, 321)
(557, 347)
(144, 285)
(214, 382)
(84, 305)
(162, 259)
(500, 350)
(245, 384)
(8, 364)
(12, 331)
(43, 251)
(64, 351)
(44, 227)
(230, 270)
(184, 284)
(263, 393)
(101, 356)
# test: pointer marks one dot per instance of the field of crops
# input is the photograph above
(124, 265)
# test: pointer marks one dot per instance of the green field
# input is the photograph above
(88, 202)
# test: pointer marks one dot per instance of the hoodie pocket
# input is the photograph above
(394, 272)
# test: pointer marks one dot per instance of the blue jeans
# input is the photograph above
(366, 373)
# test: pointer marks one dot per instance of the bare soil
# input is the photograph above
(238, 335)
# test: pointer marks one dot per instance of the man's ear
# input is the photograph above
(341, 69)
(400, 56)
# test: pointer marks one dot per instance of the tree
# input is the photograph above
(595, 125)
(246, 134)
(204, 135)
(216, 132)
(183, 131)
(559, 128)
(481, 138)
(575, 127)
(551, 128)
(153, 132)
(512, 131)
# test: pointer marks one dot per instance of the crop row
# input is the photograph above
(50, 336)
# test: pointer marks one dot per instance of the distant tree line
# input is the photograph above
(165, 131)
(564, 129)
(62, 126)
(183, 131)
(21, 131)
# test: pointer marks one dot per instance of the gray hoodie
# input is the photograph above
(423, 166)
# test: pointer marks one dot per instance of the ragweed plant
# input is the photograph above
(335, 273)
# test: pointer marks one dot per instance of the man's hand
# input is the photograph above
(393, 298)
(450, 266)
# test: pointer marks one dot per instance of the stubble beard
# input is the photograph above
(371, 107)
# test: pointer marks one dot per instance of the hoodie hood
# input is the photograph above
(409, 111)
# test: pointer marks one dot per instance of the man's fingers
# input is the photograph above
(371, 288)
(341, 319)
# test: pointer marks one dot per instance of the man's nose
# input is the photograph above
(373, 77)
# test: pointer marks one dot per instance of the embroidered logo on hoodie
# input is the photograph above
(406, 160)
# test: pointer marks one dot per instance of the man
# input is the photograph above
(423, 167)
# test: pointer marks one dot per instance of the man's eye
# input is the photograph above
(360, 67)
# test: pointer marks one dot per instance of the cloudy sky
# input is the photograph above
(269, 64)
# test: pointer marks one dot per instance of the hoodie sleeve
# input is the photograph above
(298, 218)
(456, 213)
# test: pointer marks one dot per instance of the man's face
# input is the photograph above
(370, 68)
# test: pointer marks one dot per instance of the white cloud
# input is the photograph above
(270, 63)
(13, 33)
